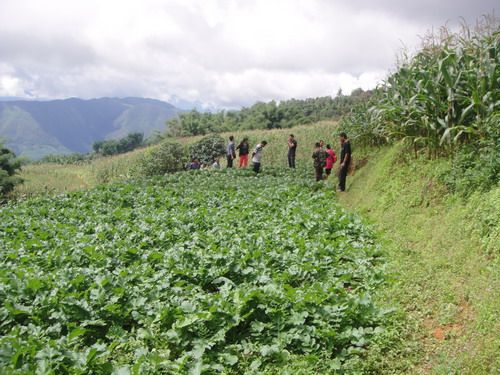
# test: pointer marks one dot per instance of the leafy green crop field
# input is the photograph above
(207, 272)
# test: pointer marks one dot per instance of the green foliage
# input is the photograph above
(363, 125)
(208, 149)
(269, 115)
(9, 167)
(476, 167)
(166, 157)
(213, 272)
(119, 146)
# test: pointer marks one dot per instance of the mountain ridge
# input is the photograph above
(34, 128)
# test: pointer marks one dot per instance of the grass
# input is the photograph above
(57, 178)
(444, 259)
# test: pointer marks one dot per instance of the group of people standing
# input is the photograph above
(324, 157)
(244, 150)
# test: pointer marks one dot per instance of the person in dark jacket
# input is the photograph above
(292, 148)
(319, 158)
(345, 160)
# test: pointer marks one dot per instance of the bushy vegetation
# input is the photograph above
(271, 115)
(208, 149)
(166, 157)
(9, 168)
(445, 100)
(209, 272)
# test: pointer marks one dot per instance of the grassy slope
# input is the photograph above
(443, 252)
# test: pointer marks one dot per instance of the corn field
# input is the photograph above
(444, 96)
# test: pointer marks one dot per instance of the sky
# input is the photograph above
(216, 53)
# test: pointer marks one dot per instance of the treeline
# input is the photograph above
(118, 146)
(444, 101)
(100, 148)
(271, 115)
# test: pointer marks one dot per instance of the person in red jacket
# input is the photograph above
(330, 160)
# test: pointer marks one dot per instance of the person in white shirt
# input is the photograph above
(257, 156)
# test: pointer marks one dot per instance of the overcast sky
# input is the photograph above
(225, 53)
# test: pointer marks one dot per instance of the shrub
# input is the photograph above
(208, 149)
(9, 165)
(167, 157)
(476, 167)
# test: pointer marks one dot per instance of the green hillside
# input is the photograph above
(38, 128)
(443, 255)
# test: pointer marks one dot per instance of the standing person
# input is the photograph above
(322, 146)
(331, 158)
(345, 160)
(257, 156)
(230, 152)
(318, 161)
(292, 148)
(244, 149)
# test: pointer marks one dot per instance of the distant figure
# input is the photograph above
(195, 164)
(244, 149)
(319, 157)
(331, 158)
(257, 156)
(345, 160)
(322, 146)
(292, 148)
(231, 152)
(216, 164)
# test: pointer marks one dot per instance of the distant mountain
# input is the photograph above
(38, 128)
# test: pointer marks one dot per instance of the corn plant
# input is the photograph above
(442, 97)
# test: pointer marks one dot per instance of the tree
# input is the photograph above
(120, 146)
(9, 166)
(166, 157)
(208, 149)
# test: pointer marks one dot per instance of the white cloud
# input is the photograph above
(10, 86)
(226, 53)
